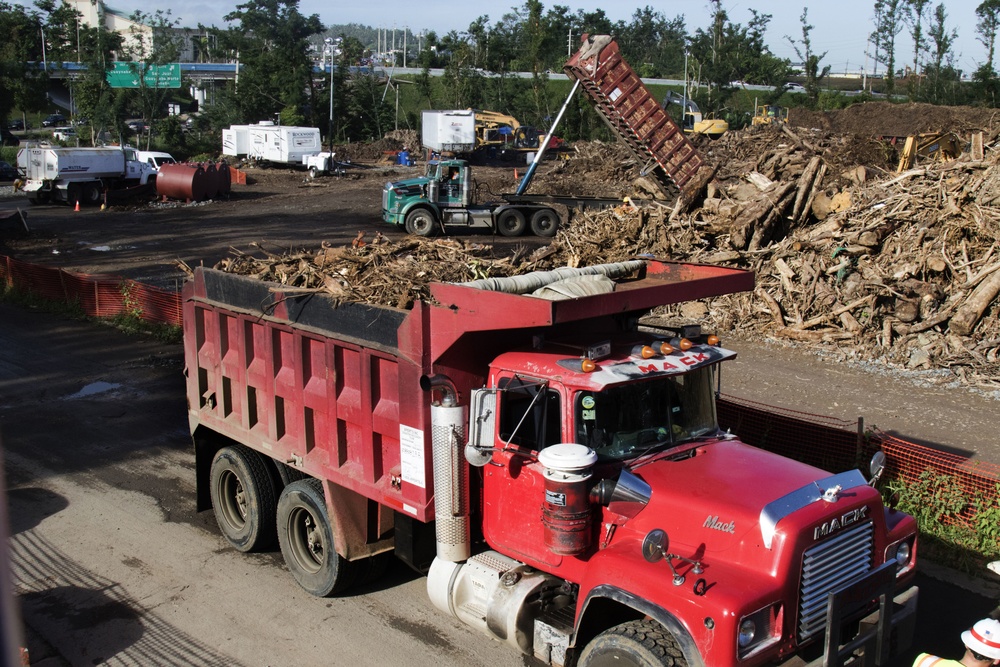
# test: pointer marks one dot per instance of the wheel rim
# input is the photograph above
(543, 223)
(306, 540)
(234, 500)
(421, 223)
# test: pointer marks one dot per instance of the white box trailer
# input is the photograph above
(453, 131)
(265, 141)
(80, 174)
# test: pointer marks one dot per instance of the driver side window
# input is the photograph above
(529, 413)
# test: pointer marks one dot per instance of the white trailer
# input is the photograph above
(453, 131)
(267, 142)
(80, 174)
(236, 140)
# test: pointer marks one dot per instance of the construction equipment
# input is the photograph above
(552, 461)
(937, 146)
(693, 122)
(770, 114)
(475, 132)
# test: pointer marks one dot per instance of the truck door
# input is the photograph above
(529, 418)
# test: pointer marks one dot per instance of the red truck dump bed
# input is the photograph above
(327, 386)
(638, 118)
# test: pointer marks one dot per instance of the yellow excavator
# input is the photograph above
(938, 146)
(505, 134)
(693, 122)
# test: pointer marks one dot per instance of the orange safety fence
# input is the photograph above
(97, 295)
(828, 443)
(837, 445)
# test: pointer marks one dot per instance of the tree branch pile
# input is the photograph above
(899, 268)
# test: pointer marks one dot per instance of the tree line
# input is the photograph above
(279, 48)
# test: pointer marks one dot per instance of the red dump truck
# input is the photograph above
(553, 464)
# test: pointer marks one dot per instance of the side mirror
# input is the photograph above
(876, 467)
(482, 426)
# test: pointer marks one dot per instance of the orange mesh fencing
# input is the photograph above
(97, 295)
(837, 445)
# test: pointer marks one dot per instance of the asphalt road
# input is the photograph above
(112, 566)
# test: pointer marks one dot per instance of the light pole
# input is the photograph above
(684, 99)
(329, 47)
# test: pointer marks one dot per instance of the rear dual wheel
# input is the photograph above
(544, 222)
(244, 498)
(306, 538)
(511, 223)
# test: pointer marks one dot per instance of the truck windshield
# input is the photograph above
(626, 420)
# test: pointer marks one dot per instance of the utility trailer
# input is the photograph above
(618, 523)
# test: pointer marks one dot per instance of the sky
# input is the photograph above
(840, 27)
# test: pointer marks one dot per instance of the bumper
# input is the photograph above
(882, 634)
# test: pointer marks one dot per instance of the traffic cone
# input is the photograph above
(77, 208)
(515, 174)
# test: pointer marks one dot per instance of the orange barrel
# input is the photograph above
(225, 180)
(181, 181)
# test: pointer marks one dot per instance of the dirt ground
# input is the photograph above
(282, 210)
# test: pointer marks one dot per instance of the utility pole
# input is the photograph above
(405, 30)
(569, 44)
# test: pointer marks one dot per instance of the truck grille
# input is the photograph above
(828, 566)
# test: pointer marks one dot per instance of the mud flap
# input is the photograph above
(882, 633)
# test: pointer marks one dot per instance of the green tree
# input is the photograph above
(810, 60)
(156, 45)
(988, 21)
(988, 15)
(20, 86)
(916, 22)
(730, 52)
(891, 16)
(941, 74)
(271, 43)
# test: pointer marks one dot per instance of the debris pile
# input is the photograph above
(900, 268)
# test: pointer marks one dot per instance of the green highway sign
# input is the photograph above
(127, 75)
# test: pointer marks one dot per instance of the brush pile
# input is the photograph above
(902, 268)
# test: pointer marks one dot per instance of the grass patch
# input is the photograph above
(941, 507)
(130, 323)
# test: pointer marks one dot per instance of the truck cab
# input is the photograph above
(740, 576)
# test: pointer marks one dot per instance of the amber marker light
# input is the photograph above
(666, 348)
(712, 340)
(588, 366)
(685, 345)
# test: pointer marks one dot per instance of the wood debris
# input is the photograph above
(902, 269)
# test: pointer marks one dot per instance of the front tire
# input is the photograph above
(243, 498)
(544, 222)
(421, 222)
(306, 539)
(313, 172)
(91, 194)
(511, 223)
(636, 643)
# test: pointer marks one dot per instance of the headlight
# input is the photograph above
(902, 553)
(747, 631)
(759, 630)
